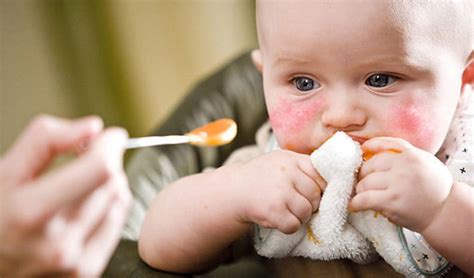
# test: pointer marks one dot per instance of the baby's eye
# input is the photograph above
(304, 83)
(380, 80)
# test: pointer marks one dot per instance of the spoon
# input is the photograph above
(212, 134)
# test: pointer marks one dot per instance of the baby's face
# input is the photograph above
(354, 67)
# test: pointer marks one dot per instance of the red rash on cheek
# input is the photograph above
(291, 117)
(290, 120)
(410, 121)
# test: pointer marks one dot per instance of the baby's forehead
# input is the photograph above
(437, 23)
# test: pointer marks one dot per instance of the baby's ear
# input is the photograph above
(468, 74)
(470, 59)
(257, 59)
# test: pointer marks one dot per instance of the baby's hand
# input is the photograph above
(406, 184)
(280, 190)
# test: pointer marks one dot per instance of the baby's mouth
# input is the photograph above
(358, 139)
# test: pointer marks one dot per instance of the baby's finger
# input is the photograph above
(308, 189)
(288, 223)
(307, 167)
(383, 144)
(300, 207)
(374, 181)
(368, 200)
(379, 163)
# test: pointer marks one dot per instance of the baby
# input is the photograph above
(388, 74)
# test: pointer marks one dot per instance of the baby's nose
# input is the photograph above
(343, 112)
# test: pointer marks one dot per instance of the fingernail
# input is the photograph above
(120, 134)
(94, 123)
(123, 132)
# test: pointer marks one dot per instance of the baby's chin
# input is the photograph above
(299, 150)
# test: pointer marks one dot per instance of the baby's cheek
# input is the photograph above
(292, 123)
(411, 121)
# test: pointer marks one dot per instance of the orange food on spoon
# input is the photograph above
(216, 133)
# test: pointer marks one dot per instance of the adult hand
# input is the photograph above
(66, 221)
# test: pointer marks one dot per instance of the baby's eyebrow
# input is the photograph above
(402, 62)
(414, 64)
(291, 60)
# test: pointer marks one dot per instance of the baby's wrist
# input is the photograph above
(228, 176)
(439, 220)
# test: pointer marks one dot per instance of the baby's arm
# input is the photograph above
(413, 189)
(192, 223)
(451, 231)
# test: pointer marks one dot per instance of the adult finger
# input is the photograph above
(92, 210)
(43, 139)
(101, 244)
(374, 181)
(111, 144)
(74, 181)
(93, 214)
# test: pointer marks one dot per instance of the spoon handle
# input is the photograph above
(156, 140)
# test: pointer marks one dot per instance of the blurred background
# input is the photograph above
(129, 61)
